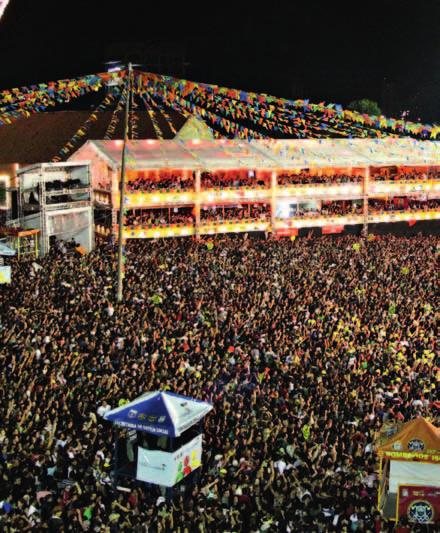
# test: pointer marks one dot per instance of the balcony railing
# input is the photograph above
(251, 225)
(403, 187)
(138, 199)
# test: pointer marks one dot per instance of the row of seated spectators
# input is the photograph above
(342, 208)
(304, 178)
(160, 217)
(161, 183)
(247, 212)
(227, 180)
(433, 174)
(185, 215)
(403, 204)
(209, 180)
(345, 208)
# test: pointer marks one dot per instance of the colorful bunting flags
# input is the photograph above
(115, 117)
(83, 130)
(228, 112)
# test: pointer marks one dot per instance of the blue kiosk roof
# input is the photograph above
(160, 413)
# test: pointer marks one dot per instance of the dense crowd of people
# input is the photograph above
(305, 178)
(185, 215)
(402, 204)
(342, 208)
(147, 182)
(230, 180)
(407, 175)
(162, 182)
(248, 211)
(304, 349)
(159, 217)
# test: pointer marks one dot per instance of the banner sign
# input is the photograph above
(287, 232)
(429, 457)
(420, 504)
(5, 274)
(328, 230)
(168, 468)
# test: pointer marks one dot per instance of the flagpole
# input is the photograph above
(121, 244)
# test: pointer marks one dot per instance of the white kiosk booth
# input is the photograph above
(162, 443)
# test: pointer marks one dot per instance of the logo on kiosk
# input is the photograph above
(398, 446)
(416, 445)
(421, 512)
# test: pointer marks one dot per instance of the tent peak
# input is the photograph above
(160, 413)
(193, 129)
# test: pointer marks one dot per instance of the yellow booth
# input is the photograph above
(409, 473)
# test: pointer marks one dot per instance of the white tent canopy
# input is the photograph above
(194, 129)
(267, 154)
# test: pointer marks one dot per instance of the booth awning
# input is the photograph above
(416, 440)
(160, 413)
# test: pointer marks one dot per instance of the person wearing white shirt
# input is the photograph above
(102, 409)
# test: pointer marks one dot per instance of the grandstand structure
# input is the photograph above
(265, 161)
(184, 128)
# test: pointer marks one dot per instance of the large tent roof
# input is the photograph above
(417, 439)
(276, 154)
(160, 413)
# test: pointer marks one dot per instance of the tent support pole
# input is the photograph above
(121, 240)
(366, 188)
(197, 204)
(273, 200)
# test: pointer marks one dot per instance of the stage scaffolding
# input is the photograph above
(56, 199)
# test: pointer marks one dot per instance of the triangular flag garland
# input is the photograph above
(226, 112)
(151, 113)
(83, 130)
(115, 116)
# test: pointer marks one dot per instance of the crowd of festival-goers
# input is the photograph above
(150, 183)
(168, 181)
(262, 211)
(304, 178)
(305, 349)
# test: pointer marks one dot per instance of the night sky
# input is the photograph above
(388, 51)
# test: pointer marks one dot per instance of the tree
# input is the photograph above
(365, 106)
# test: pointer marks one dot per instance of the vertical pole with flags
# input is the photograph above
(121, 240)
(365, 192)
(197, 204)
(273, 200)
